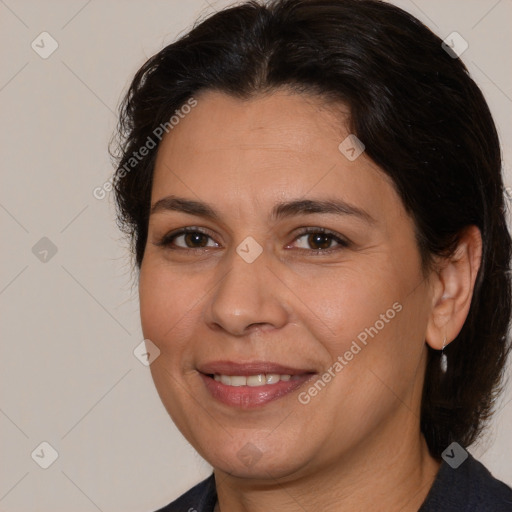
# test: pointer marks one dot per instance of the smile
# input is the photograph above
(253, 384)
(260, 379)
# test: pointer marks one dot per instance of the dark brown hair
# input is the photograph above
(422, 119)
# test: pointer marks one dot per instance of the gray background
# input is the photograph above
(70, 323)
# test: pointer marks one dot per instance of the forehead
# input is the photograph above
(266, 147)
(279, 121)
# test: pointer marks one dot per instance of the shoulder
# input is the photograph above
(200, 498)
(469, 487)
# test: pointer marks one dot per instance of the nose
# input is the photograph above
(249, 296)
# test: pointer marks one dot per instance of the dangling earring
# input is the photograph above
(444, 359)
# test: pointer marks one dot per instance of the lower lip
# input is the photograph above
(246, 397)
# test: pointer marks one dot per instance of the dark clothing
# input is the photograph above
(469, 488)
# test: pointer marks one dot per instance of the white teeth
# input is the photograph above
(238, 380)
(256, 380)
(225, 379)
(252, 380)
(272, 378)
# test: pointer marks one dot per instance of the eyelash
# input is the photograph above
(167, 240)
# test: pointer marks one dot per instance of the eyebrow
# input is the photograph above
(279, 211)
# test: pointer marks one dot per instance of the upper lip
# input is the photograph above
(249, 368)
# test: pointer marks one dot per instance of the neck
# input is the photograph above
(378, 476)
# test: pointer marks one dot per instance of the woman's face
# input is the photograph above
(257, 290)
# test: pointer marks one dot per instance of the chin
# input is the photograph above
(243, 459)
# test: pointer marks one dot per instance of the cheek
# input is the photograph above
(348, 305)
(168, 303)
(373, 322)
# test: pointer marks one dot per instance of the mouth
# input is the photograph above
(252, 384)
(261, 379)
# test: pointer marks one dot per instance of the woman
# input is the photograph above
(314, 197)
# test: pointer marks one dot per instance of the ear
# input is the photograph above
(452, 289)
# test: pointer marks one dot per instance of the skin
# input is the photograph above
(357, 444)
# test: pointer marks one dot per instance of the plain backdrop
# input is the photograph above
(69, 310)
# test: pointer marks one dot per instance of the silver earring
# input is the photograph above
(444, 359)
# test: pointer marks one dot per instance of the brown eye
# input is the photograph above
(195, 239)
(187, 239)
(320, 240)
